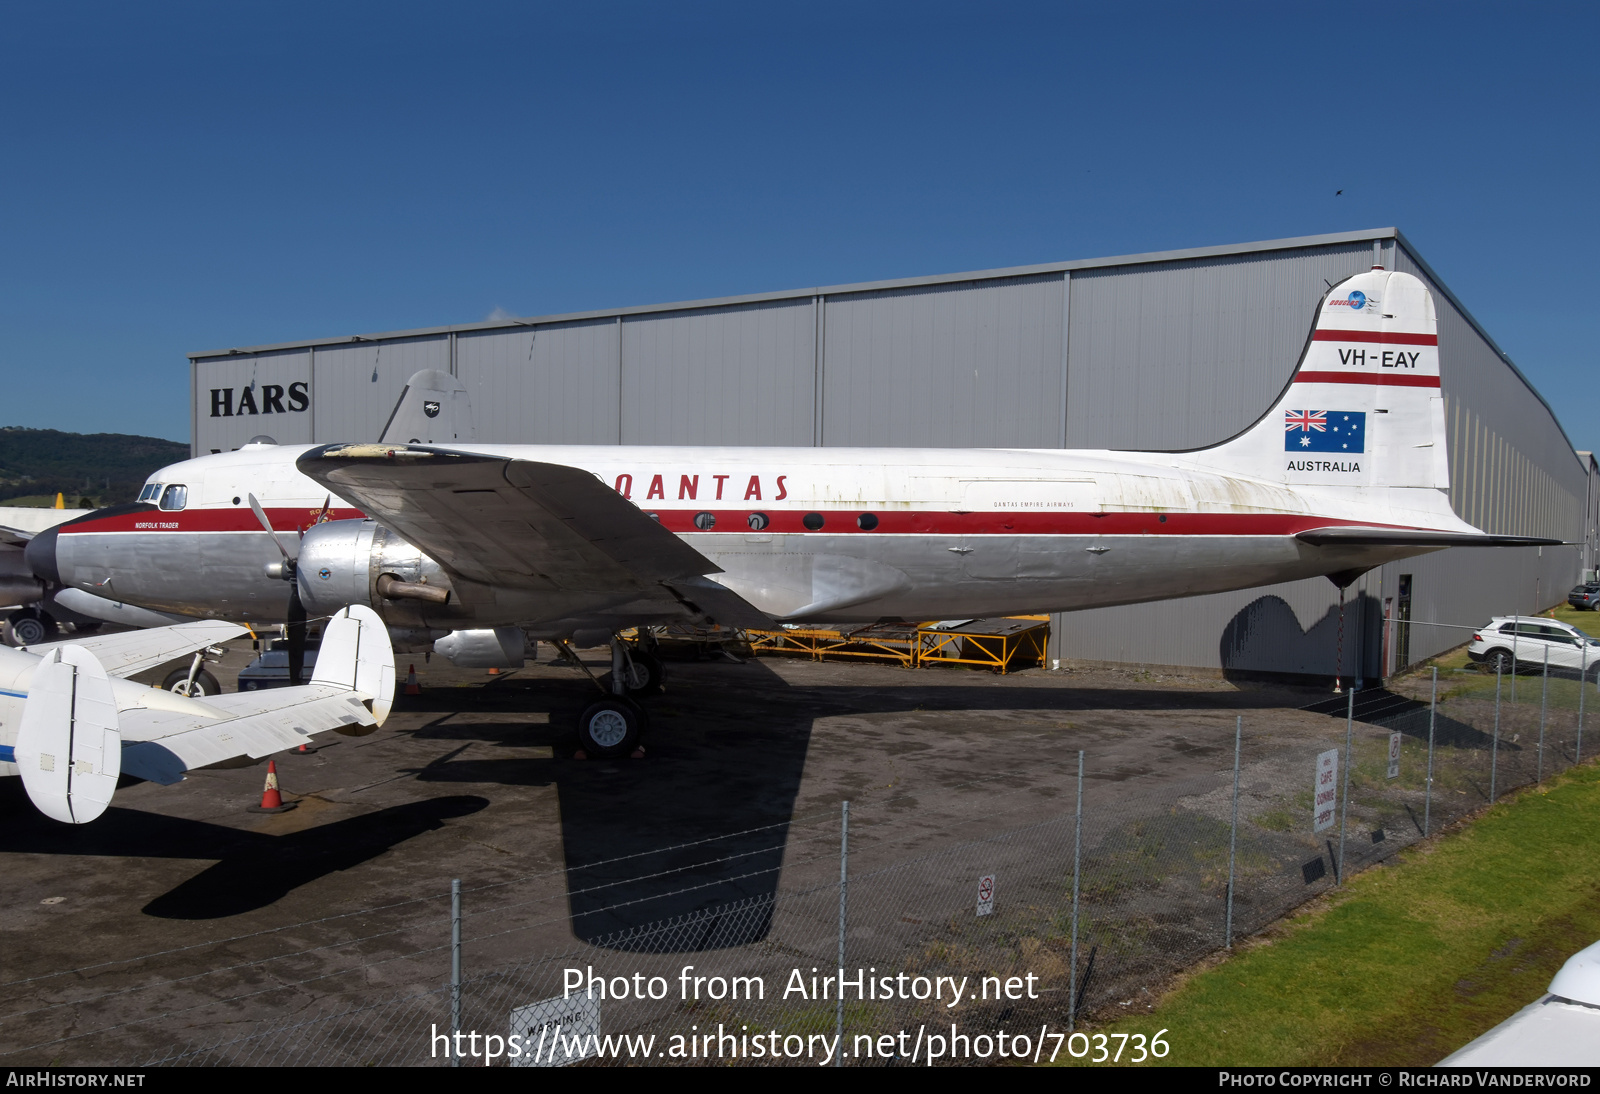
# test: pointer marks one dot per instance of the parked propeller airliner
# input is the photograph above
(1347, 471)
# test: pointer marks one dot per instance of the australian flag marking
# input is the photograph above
(1324, 431)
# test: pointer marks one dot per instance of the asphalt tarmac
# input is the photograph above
(120, 935)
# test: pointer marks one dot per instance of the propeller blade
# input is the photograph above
(261, 515)
(295, 626)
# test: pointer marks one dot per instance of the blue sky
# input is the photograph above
(186, 177)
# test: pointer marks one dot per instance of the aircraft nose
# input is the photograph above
(40, 555)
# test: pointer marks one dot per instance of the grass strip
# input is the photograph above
(1410, 960)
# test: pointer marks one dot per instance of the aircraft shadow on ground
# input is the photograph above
(252, 870)
(694, 834)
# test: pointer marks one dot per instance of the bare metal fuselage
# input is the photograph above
(904, 534)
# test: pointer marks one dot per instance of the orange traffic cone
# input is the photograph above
(271, 800)
(411, 682)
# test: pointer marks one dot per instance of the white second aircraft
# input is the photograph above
(71, 723)
(1347, 471)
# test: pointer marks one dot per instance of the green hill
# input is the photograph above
(106, 468)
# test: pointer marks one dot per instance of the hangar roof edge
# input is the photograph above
(855, 287)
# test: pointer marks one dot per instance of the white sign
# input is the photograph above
(552, 1028)
(986, 894)
(1394, 755)
(1326, 802)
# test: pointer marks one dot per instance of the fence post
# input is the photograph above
(455, 972)
(1077, 858)
(1233, 830)
(1433, 709)
(1544, 696)
(844, 895)
(1344, 809)
(1583, 676)
(1494, 752)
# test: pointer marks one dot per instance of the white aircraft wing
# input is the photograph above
(161, 745)
(129, 652)
(19, 524)
(508, 522)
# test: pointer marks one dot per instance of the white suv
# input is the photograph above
(1524, 641)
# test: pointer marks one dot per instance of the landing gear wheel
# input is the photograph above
(28, 628)
(204, 683)
(610, 728)
(644, 675)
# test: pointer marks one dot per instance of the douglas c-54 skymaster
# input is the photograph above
(1347, 471)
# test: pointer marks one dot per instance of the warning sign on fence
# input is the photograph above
(1394, 755)
(556, 1032)
(986, 894)
(1326, 802)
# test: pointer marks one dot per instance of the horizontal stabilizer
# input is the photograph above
(1356, 536)
(128, 652)
(69, 749)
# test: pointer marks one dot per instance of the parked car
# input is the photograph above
(1585, 596)
(271, 669)
(1511, 642)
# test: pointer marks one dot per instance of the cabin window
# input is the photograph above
(175, 497)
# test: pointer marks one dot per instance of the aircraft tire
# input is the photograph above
(28, 628)
(610, 728)
(204, 683)
(647, 675)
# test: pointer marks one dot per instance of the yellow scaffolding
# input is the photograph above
(1001, 645)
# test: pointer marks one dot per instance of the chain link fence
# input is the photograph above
(988, 922)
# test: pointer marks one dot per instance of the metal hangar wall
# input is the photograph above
(1170, 350)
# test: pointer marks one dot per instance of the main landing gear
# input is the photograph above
(611, 727)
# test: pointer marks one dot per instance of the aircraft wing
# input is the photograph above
(19, 524)
(1356, 535)
(509, 522)
(160, 745)
(129, 652)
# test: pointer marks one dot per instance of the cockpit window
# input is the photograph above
(151, 491)
(175, 497)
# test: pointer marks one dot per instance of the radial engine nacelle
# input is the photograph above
(361, 562)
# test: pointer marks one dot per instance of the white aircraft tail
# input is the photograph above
(1364, 407)
(356, 654)
(433, 409)
(69, 747)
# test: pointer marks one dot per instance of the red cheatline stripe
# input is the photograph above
(834, 522)
(1388, 338)
(1376, 379)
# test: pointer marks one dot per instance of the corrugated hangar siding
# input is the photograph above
(1178, 355)
(736, 375)
(968, 365)
(1164, 351)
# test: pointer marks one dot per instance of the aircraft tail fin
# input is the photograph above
(69, 744)
(1364, 408)
(433, 409)
(356, 654)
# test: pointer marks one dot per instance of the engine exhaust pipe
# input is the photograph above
(391, 587)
